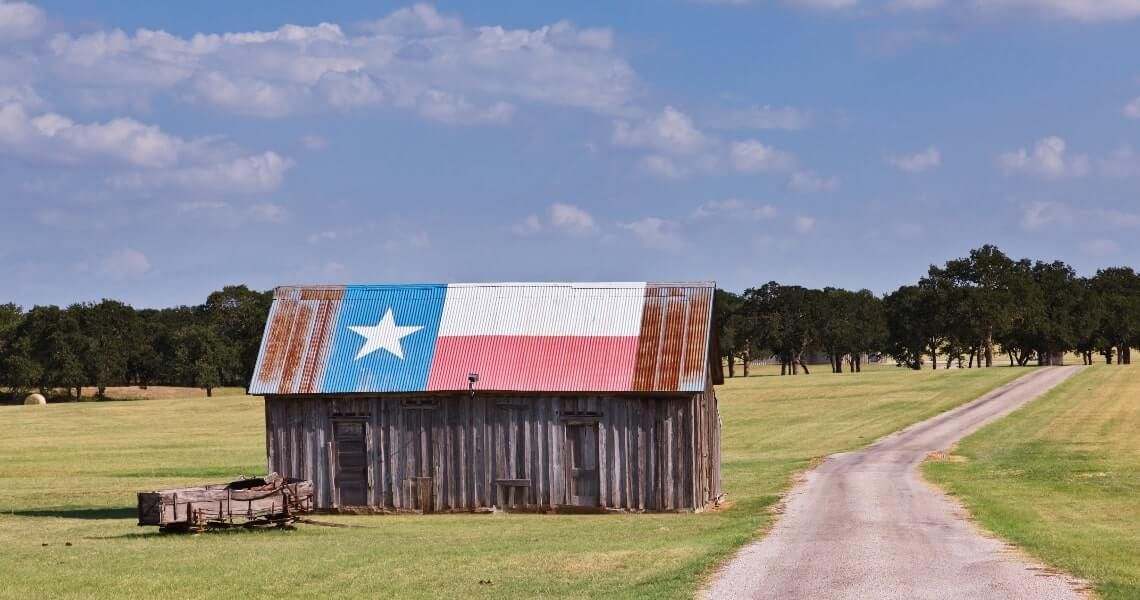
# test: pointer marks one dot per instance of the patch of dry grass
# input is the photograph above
(68, 473)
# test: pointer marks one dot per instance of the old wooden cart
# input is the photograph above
(267, 501)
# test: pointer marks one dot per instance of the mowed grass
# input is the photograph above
(68, 473)
(1061, 478)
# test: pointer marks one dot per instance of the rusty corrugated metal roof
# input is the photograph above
(551, 337)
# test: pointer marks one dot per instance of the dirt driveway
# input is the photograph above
(864, 524)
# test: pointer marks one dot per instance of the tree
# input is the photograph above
(782, 319)
(238, 316)
(1119, 292)
(984, 282)
(914, 326)
(51, 345)
(111, 331)
(203, 359)
(729, 327)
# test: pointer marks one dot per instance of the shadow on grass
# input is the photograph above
(79, 513)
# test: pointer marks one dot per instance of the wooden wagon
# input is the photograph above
(272, 500)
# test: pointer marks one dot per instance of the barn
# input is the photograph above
(494, 396)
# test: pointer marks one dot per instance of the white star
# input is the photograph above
(385, 334)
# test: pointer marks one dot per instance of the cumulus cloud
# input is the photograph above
(764, 117)
(655, 233)
(123, 264)
(415, 58)
(670, 132)
(804, 224)
(917, 162)
(1047, 158)
(20, 20)
(530, 225)
(54, 138)
(571, 219)
(1132, 109)
(736, 210)
(152, 157)
(246, 174)
(1078, 10)
(751, 156)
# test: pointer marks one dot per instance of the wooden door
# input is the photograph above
(351, 466)
(582, 481)
(419, 452)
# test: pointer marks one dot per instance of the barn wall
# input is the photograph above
(653, 454)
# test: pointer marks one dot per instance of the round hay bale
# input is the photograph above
(35, 399)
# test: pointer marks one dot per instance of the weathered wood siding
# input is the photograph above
(653, 454)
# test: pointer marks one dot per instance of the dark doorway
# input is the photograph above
(351, 462)
(582, 481)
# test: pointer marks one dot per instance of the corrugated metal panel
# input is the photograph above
(517, 336)
(673, 349)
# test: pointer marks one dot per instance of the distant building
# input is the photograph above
(516, 396)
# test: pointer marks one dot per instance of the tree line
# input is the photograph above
(959, 313)
(109, 343)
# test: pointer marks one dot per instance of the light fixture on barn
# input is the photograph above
(471, 379)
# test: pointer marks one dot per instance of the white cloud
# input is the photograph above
(804, 224)
(226, 215)
(157, 158)
(1132, 109)
(415, 59)
(735, 209)
(764, 117)
(751, 156)
(20, 20)
(23, 95)
(824, 4)
(663, 167)
(530, 225)
(314, 142)
(1036, 215)
(571, 219)
(123, 264)
(1048, 158)
(656, 233)
(247, 174)
(455, 110)
(54, 138)
(899, 5)
(671, 132)
(809, 182)
(917, 162)
(1099, 247)
(1078, 10)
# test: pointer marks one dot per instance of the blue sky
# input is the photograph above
(153, 152)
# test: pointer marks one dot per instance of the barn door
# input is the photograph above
(351, 454)
(512, 469)
(582, 481)
(420, 456)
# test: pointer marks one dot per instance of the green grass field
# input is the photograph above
(1061, 478)
(68, 473)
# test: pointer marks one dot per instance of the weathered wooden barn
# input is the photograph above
(513, 396)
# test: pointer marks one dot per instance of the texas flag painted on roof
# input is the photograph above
(555, 337)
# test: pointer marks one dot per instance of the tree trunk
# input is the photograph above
(209, 392)
(949, 361)
(102, 393)
(858, 363)
(747, 358)
(803, 365)
(990, 347)
(1120, 354)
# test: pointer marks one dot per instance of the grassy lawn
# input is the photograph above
(1061, 478)
(68, 473)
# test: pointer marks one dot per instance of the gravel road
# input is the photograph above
(865, 525)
